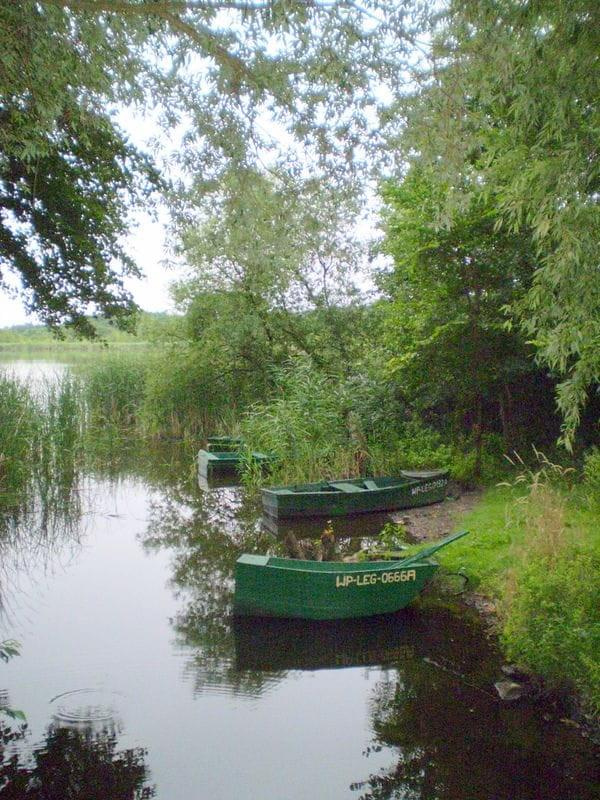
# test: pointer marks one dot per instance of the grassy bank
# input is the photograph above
(535, 551)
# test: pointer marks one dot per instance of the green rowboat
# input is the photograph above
(268, 586)
(356, 496)
(224, 444)
(218, 463)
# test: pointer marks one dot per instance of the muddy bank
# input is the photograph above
(435, 521)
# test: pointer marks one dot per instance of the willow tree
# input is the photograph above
(446, 332)
(281, 252)
(242, 78)
(510, 105)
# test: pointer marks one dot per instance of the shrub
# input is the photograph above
(551, 604)
(552, 621)
(415, 446)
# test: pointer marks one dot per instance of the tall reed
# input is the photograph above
(40, 438)
(18, 433)
(113, 388)
(303, 427)
(318, 427)
(185, 393)
(59, 441)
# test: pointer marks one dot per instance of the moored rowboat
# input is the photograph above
(268, 586)
(224, 444)
(356, 495)
(223, 462)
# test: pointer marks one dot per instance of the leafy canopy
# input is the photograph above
(241, 78)
(510, 106)
(445, 325)
(67, 174)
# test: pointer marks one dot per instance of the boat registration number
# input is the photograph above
(373, 578)
(427, 487)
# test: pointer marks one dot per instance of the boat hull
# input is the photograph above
(224, 462)
(280, 587)
(224, 444)
(339, 498)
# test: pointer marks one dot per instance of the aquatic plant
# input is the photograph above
(9, 649)
(113, 388)
(18, 426)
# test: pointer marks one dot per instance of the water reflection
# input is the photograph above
(38, 537)
(218, 482)
(74, 764)
(352, 527)
(205, 535)
(433, 704)
(33, 372)
(456, 740)
(279, 645)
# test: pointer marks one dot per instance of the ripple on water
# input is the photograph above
(86, 709)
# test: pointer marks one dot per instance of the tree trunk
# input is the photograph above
(478, 436)
(505, 405)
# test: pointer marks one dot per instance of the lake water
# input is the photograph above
(137, 682)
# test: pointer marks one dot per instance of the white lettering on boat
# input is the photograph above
(427, 487)
(373, 578)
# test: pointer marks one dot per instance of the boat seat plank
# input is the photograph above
(347, 487)
(370, 484)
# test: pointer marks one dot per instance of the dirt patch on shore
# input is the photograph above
(438, 520)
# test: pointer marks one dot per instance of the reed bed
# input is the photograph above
(40, 437)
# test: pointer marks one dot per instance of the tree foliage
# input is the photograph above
(241, 77)
(450, 349)
(281, 255)
(67, 174)
(510, 106)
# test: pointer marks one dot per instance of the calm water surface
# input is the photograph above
(136, 682)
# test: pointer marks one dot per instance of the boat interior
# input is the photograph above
(349, 486)
(356, 485)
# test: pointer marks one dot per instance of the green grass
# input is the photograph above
(534, 549)
(495, 528)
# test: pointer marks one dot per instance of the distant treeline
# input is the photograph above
(149, 327)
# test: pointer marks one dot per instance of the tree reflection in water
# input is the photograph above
(455, 739)
(74, 764)
(206, 532)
